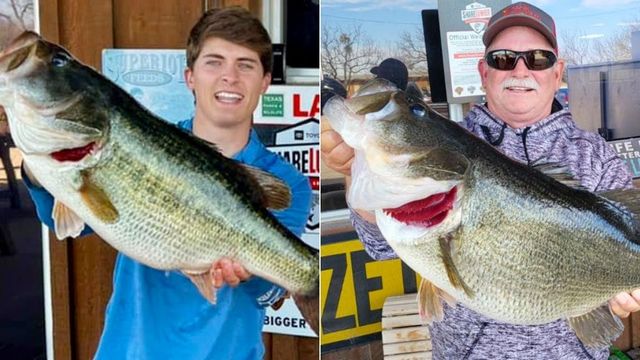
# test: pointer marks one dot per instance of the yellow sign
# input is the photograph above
(353, 290)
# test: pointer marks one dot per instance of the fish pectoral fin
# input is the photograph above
(440, 164)
(65, 221)
(429, 301)
(597, 328)
(204, 283)
(450, 267)
(97, 201)
(276, 195)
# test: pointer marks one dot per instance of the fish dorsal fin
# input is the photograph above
(628, 198)
(275, 192)
(204, 283)
(65, 221)
(429, 301)
(559, 173)
(597, 328)
(97, 201)
(452, 271)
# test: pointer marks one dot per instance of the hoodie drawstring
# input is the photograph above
(487, 135)
(524, 144)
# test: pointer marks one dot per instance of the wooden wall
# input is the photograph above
(82, 268)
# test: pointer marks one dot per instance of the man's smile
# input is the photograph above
(229, 97)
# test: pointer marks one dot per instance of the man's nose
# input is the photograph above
(521, 66)
(230, 73)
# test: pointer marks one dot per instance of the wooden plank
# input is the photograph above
(308, 348)
(266, 340)
(165, 24)
(284, 347)
(424, 355)
(400, 309)
(49, 26)
(401, 321)
(401, 299)
(92, 262)
(368, 351)
(60, 297)
(412, 333)
(406, 347)
(85, 28)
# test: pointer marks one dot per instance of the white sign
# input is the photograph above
(287, 320)
(465, 49)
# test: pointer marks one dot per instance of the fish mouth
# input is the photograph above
(427, 212)
(75, 154)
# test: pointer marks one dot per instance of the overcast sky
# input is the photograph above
(383, 20)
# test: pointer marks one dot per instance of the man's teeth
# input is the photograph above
(228, 96)
(518, 88)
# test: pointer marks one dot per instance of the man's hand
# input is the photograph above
(228, 271)
(336, 154)
(624, 303)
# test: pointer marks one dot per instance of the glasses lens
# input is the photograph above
(502, 59)
(534, 59)
(539, 59)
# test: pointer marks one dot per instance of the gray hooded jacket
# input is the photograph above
(465, 334)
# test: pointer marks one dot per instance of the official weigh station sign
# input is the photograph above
(462, 24)
(353, 289)
(629, 151)
(155, 79)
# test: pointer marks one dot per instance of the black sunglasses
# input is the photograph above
(534, 59)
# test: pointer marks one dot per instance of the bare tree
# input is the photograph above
(16, 17)
(346, 52)
(577, 48)
(23, 13)
(410, 49)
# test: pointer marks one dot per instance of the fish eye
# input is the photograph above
(418, 110)
(60, 59)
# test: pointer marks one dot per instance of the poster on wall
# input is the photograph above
(284, 120)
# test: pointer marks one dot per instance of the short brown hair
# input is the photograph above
(233, 24)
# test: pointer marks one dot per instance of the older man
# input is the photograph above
(520, 73)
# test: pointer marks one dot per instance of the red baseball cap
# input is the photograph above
(521, 14)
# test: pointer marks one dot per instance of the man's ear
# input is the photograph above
(266, 81)
(188, 78)
(483, 69)
(559, 71)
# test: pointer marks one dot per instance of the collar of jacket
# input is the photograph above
(480, 115)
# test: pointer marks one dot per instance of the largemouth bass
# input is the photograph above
(509, 241)
(155, 193)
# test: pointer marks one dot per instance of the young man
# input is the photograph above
(522, 119)
(161, 315)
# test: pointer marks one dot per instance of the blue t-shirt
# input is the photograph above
(155, 314)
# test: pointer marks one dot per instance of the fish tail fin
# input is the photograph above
(597, 328)
(309, 306)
